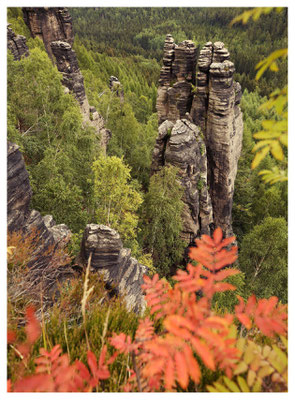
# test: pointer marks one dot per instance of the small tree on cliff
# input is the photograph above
(115, 196)
(162, 221)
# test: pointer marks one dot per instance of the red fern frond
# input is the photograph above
(211, 253)
(269, 316)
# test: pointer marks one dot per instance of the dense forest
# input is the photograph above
(73, 180)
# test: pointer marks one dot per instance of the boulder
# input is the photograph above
(121, 272)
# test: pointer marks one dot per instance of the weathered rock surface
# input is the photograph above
(47, 237)
(176, 79)
(47, 264)
(181, 145)
(109, 258)
(49, 24)
(54, 26)
(214, 108)
(16, 44)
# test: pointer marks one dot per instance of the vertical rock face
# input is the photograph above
(48, 238)
(214, 108)
(176, 79)
(54, 26)
(16, 44)
(49, 24)
(181, 145)
(67, 64)
(109, 258)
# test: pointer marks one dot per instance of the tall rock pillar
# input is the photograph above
(216, 110)
(214, 107)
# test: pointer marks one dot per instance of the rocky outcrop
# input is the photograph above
(216, 110)
(108, 257)
(49, 24)
(54, 26)
(180, 144)
(47, 264)
(16, 44)
(213, 105)
(116, 87)
(176, 79)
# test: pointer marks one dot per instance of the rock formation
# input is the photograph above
(48, 264)
(49, 24)
(116, 86)
(54, 26)
(115, 263)
(214, 107)
(16, 44)
(216, 110)
(181, 145)
(48, 238)
(176, 79)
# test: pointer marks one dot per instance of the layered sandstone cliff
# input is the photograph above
(181, 145)
(45, 267)
(213, 107)
(47, 264)
(54, 26)
(16, 44)
(176, 79)
(108, 257)
(49, 24)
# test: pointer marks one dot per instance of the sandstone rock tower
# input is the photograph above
(54, 26)
(210, 110)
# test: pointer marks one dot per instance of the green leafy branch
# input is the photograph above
(274, 134)
(254, 13)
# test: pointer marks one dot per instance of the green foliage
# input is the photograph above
(58, 150)
(253, 199)
(226, 301)
(274, 133)
(147, 28)
(116, 197)
(263, 259)
(15, 18)
(161, 220)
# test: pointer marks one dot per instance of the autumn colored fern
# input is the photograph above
(188, 338)
(193, 334)
(54, 373)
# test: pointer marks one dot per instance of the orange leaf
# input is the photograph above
(245, 320)
(192, 365)
(181, 369)
(219, 276)
(169, 374)
(204, 352)
(32, 328)
(217, 236)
